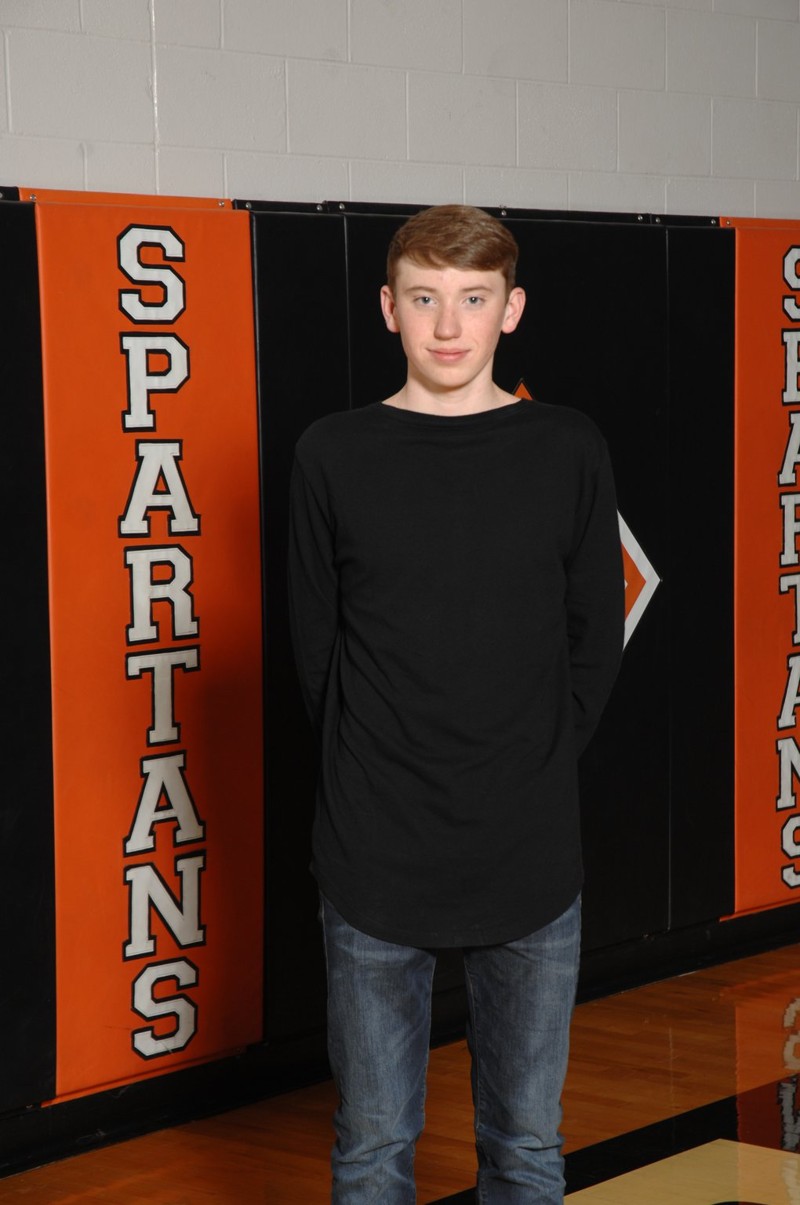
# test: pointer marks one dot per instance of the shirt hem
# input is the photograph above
(496, 934)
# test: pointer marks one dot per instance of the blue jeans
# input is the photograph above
(520, 996)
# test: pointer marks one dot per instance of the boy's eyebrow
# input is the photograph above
(468, 289)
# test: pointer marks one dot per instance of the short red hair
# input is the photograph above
(454, 236)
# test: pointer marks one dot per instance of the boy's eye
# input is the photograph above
(424, 299)
(474, 300)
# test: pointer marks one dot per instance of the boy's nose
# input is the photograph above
(447, 324)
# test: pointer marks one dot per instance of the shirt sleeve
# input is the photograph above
(595, 601)
(313, 592)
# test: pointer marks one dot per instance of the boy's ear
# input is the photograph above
(388, 307)
(514, 307)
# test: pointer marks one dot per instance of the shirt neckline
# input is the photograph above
(482, 418)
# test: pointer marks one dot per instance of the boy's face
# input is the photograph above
(450, 321)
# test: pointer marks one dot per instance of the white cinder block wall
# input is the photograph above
(665, 106)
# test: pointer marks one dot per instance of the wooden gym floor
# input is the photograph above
(685, 1091)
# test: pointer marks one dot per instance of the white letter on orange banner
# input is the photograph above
(791, 696)
(165, 280)
(145, 591)
(162, 664)
(180, 1007)
(163, 777)
(181, 916)
(791, 528)
(789, 755)
(158, 464)
(140, 350)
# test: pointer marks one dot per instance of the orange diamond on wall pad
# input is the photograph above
(641, 578)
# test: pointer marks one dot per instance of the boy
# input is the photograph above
(456, 595)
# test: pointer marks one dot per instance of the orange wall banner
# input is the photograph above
(155, 604)
(70, 197)
(767, 564)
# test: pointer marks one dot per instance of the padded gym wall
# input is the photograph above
(148, 750)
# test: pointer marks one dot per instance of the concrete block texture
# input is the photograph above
(115, 167)
(563, 127)
(784, 10)
(304, 29)
(778, 199)
(516, 188)
(41, 14)
(190, 172)
(406, 183)
(779, 61)
(630, 105)
(617, 45)
(41, 162)
(711, 53)
(522, 39)
(757, 139)
(461, 119)
(663, 133)
(284, 177)
(116, 18)
(614, 192)
(221, 99)
(3, 98)
(346, 110)
(710, 195)
(188, 22)
(413, 34)
(64, 85)
(697, 5)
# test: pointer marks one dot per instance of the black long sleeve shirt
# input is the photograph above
(457, 607)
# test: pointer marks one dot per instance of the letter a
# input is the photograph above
(791, 456)
(158, 462)
(791, 696)
(163, 776)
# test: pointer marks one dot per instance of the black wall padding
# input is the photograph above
(617, 324)
(701, 436)
(301, 331)
(27, 933)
